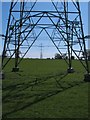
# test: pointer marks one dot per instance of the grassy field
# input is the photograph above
(43, 89)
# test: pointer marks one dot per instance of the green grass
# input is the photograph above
(43, 89)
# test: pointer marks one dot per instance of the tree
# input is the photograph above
(72, 57)
(58, 56)
(64, 55)
(88, 54)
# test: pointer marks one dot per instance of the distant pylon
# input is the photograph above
(41, 54)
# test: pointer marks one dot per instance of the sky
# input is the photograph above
(43, 39)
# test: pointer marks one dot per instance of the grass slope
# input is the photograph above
(43, 89)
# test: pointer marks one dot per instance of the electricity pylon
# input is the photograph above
(63, 25)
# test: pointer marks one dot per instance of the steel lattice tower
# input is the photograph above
(63, 26)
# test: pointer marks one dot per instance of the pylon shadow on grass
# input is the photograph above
(23, 86)
(40, 97)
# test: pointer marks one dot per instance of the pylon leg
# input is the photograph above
(15, 69)
(70, 70)
(87, 77)
(2, 75)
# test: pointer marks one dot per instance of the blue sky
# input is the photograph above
(47, 51)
